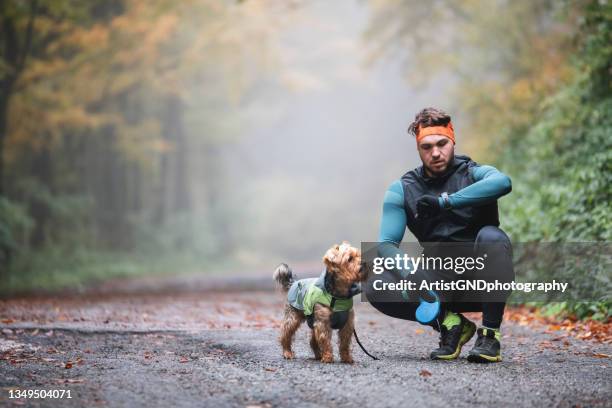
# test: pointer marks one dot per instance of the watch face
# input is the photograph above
(445, 200)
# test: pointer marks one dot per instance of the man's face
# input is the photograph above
(436, 153)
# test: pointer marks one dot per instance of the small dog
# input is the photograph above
(325, 302)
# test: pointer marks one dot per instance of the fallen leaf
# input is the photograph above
(425, 373)
(546, 344)
(558, 338)
(68, 365)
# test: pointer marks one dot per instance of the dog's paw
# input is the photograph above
(288, 355)
(348, 360)
(327, 359)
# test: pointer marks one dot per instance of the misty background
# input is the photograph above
(159, 137)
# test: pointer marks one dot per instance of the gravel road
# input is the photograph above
(198, 348)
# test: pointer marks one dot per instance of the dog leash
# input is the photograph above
(361, 345)
(333, 302)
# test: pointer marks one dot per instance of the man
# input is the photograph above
(449, 199)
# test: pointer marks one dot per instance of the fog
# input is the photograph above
(317, 153)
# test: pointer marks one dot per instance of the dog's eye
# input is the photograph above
(350, 258)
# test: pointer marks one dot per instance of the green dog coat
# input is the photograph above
(305, 293)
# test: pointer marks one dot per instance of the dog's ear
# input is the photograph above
(332, 256)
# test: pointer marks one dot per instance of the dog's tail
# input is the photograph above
(283, 276)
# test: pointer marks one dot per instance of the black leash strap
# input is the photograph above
(361, 345)
(333, 302)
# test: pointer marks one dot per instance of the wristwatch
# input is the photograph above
(446, 201)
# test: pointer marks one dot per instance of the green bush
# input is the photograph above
(14, 229)
(562, 167)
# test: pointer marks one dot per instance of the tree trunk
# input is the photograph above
(14, 55)
(39, 209)
(182, 201)
(4, 105)
(174, 194)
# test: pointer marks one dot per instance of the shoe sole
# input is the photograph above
(464, 339)
(483, 358)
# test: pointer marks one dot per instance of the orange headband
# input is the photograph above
(447, 131)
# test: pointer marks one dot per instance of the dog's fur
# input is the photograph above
(344, 264)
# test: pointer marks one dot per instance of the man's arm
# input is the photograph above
(490, 184)
(393, 222)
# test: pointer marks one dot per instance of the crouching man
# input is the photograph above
(448, 199)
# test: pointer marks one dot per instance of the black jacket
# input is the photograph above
(455, 225)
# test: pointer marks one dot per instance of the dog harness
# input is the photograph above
(305, 293)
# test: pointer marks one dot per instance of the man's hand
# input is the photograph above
(428, 206)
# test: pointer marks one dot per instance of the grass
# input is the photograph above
(57, 269)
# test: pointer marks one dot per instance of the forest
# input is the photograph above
(153, 137)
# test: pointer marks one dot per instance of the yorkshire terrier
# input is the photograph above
(324, 302)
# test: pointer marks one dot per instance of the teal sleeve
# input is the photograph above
(490, 184)
(393, 222)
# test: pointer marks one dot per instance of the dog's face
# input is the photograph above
(344, 263)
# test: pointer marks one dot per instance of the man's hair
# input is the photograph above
(429, 117)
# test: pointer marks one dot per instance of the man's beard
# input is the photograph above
(437, 173)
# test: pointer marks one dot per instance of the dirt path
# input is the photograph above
(220, 349)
